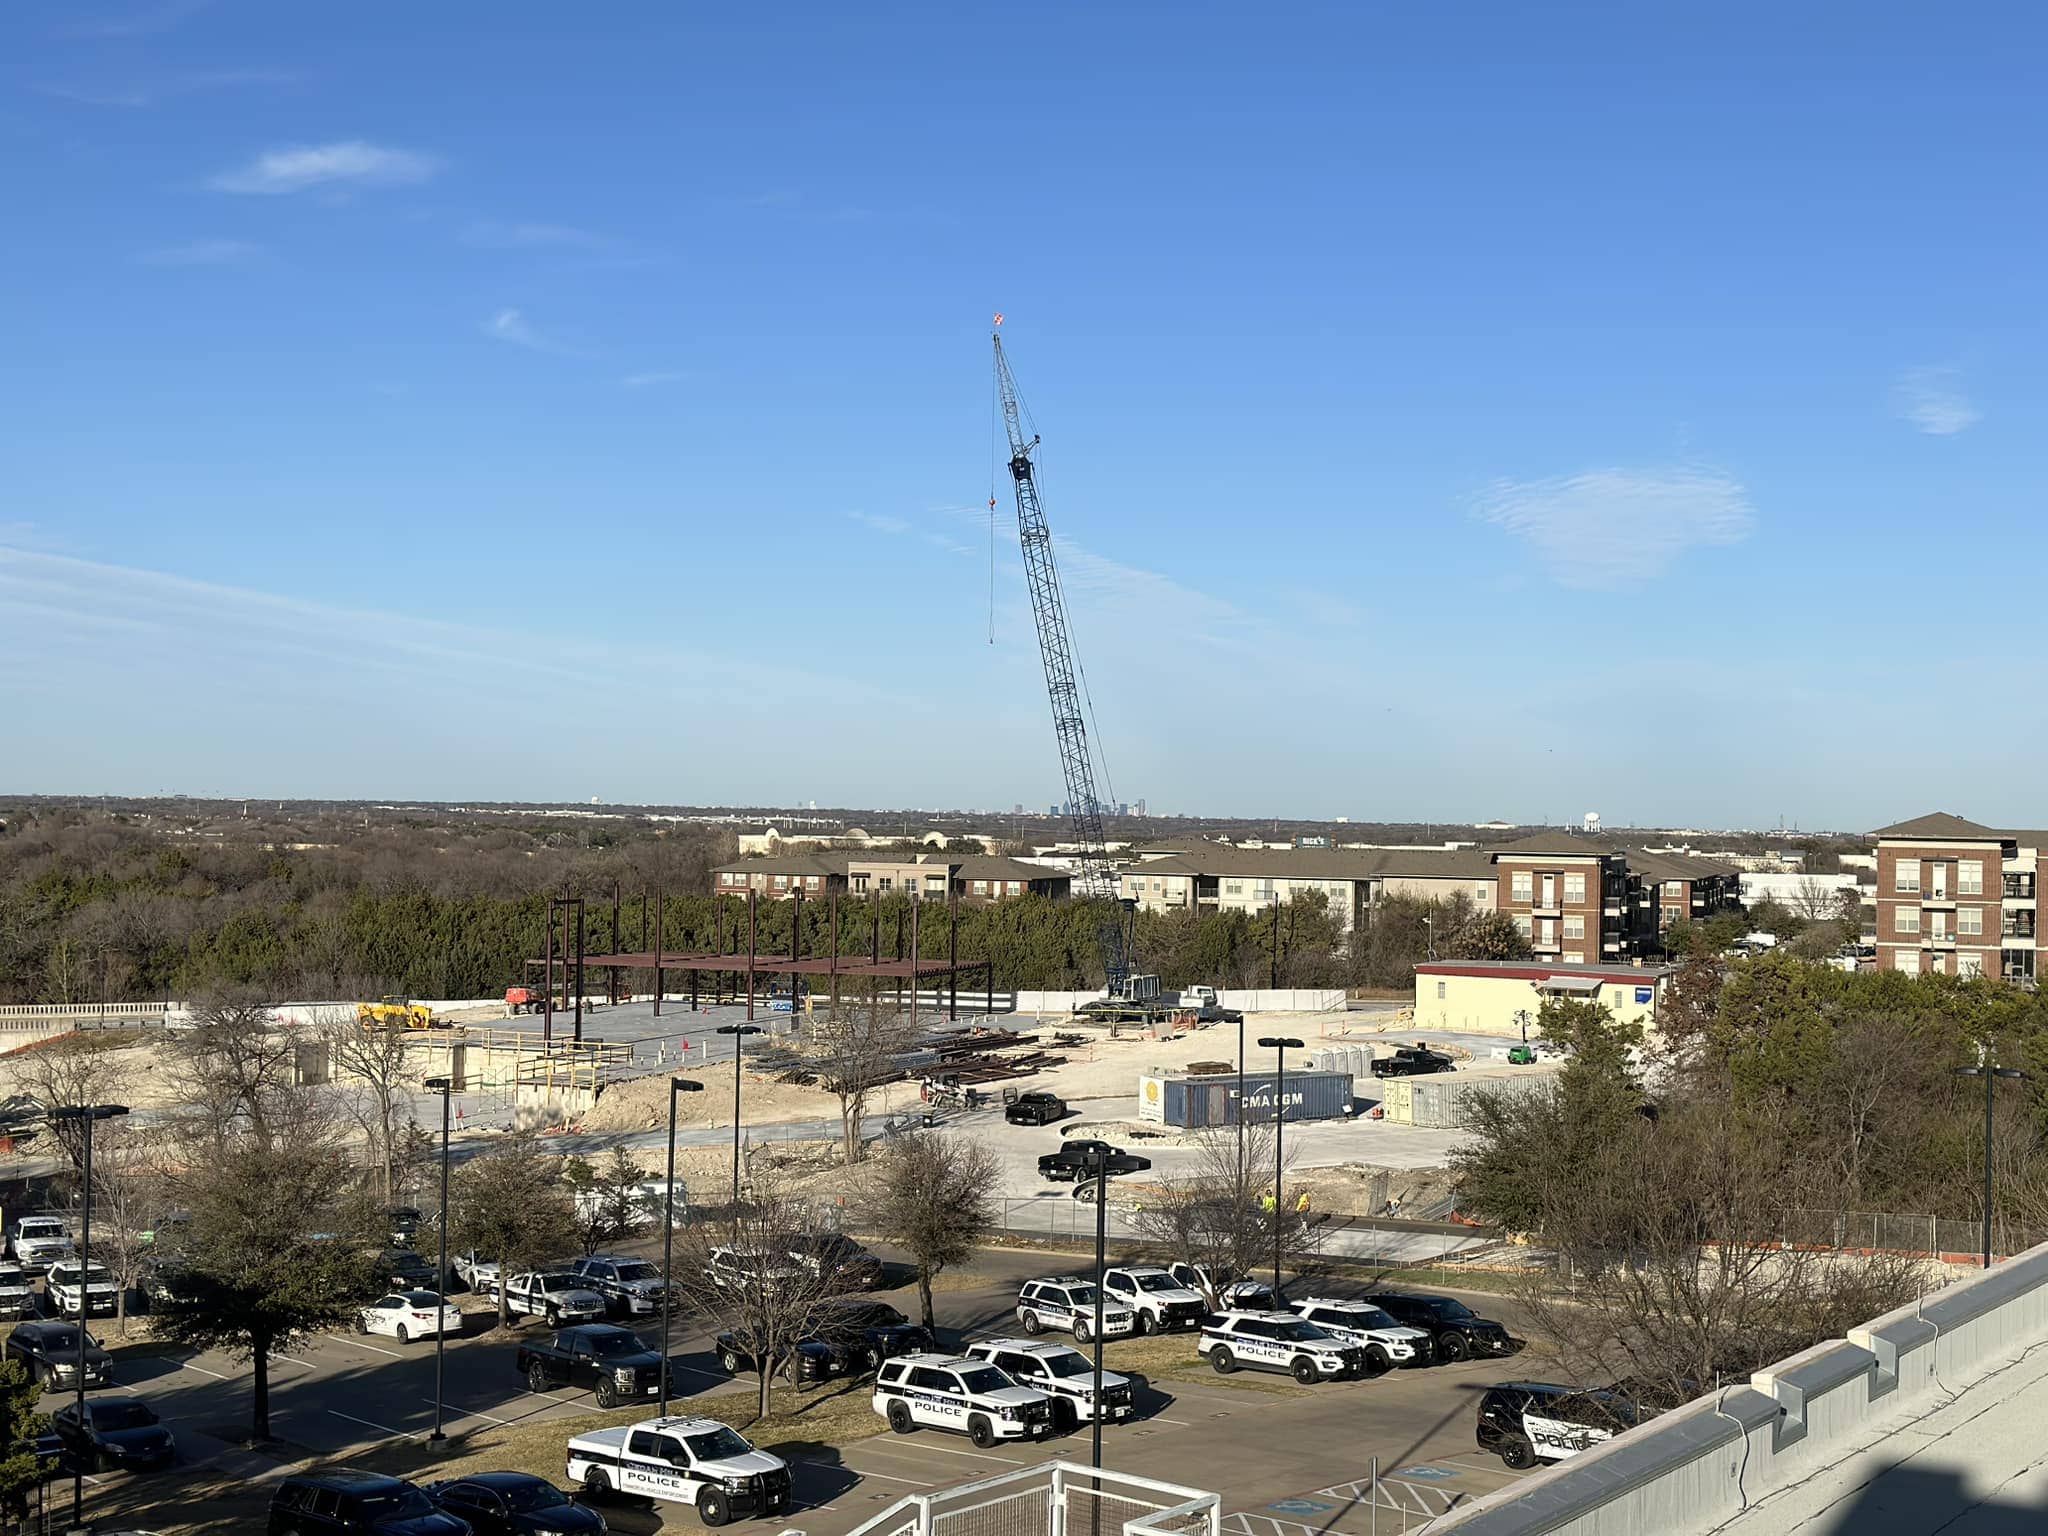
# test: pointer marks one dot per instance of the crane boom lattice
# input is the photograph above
(1055, 646)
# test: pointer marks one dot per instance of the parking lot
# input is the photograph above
(1289, 1460)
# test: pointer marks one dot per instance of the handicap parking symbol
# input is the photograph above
(1427, 1474)
(1301, 1507)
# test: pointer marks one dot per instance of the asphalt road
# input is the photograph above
(1288, 1464)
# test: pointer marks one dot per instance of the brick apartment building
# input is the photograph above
(1666, 888)
(1569, 894)
(780, 876)
(1958, 898)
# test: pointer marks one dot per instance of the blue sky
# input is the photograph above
(1450, 411)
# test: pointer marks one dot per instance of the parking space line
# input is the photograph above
(471, 1413)
(1160, 1418)
(389, 1432)
(977, 1455)
(187, 1365)
(359, 1344)
(915, 1482)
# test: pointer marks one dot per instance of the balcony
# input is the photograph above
(1941, 940)
(2019, 887)
(2017, 925)
(1937, 899)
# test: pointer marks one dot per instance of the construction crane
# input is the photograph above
(1056, 649)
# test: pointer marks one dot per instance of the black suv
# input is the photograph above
(48, 1351)
(359, 1504)
(802, 1362)
(1522, 1421)
(1035, 1108)
(1412, 1061)
(1458, 1332)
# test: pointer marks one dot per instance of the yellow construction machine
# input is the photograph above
(394, 1013)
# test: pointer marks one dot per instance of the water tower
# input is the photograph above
(1592, 822)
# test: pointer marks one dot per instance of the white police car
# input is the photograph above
(967, 1396)
(699, 1462)
(1063, 1374)
(1277, 1341)
(1384, 1341)
(1068, 1301)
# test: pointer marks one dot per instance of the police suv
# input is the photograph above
(965, 1395)
(700, 1462)
(1384, 1341)
(1160, 1301)
(1278, 1341)
(1063, 1374)
(1068, 1301)
(1521, 1421)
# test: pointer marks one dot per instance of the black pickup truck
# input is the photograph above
(611, 1361)
(1412, 1061)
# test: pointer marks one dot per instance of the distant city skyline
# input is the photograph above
(1501, 413)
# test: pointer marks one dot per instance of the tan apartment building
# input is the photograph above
(781, 876)
(971, 878)
(1957, 898)
(1569, 894)
(1218, 877)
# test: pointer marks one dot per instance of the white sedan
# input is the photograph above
(410, 1315)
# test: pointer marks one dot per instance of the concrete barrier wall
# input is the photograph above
(1696, 1467)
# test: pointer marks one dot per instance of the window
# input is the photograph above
(884, 883)
(1574, 957)
(1674, 888)
(1440, 991)
(1969, 920)
(1940, 925)
(1906, 920)
(1907, 960)
(1970, 877)
(1969, 965)
(981, 887)
(1523, 925)
(1548, 932)
(1233, 887)
(1482, 892)
(1575, 927)
(1574, 887)
(1906, 875)
(1524, 886)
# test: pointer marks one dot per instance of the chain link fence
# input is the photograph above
(1898, 1232)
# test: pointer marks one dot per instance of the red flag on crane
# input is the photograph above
(999, 317)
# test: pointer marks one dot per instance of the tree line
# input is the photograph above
(93, 907)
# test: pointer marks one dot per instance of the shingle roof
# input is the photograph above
(1555, 842)
(786, 864)
(1674, 866)
(990, 866)
(1941, 826)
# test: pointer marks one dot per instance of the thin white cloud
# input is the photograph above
(134, 95)
(880, 523)
(346, 163)
(1932, 399)
(203, 253)
(655, 376)
(507, 237)
(509, 325)
(1610, 527)
(140, 21)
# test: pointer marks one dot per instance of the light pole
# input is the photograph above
(739, 1032)
(1991, 1073)
(676, 1085)
(445, 1087)
(1102, 1165)
(87, 1113)
(1429, 939)
(1279, 1043)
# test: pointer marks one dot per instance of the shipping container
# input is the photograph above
(1444, 1103)
(1203, 1099)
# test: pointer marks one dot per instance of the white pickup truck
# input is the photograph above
(34, 1241)
(699, 1462)
(558, 1296)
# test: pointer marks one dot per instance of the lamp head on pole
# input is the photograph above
(739, 1029)
(87, 1111)
(438, 1084)
(1280, 1042)
(678, 1085)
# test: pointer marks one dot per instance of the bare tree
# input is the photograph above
(236, 1072)
(80, 1068)
(131, 1195)
(854, 1048)
(934, 1193)
(1223, 1218)
(373, 1067)
(758, 1288)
